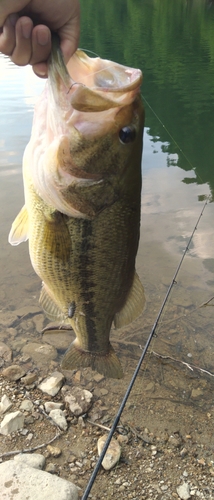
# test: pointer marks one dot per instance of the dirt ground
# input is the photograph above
(166, 430)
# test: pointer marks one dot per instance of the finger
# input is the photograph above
(23, 48)
(69, 36)
(41, 44)
(9, 6)
(41, 70)
(8, 37)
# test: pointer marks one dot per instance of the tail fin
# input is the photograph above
(107, 364)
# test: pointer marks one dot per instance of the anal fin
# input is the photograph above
(134, 304)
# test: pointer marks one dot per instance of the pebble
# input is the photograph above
(98, 377)
(113, 452)
(196, 393)
(52, 384)
(13, 372)
(12, 422)
(5, 352)
(35, 460)
(26, 405)
(5, 404)
(123, 439)
(174, 441)
(30, 436)
(59, 418)
(51, 468)
(54, 450)
(183, 491)
(23, 432)
(79, 400)
(29, 379)
(7, 318)
(51, 405)
(21, 482)
(183, 452)
(40, 353)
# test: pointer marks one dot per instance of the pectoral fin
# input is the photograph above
(19, 229)
(134, 304)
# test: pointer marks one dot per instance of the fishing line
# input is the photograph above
(151, 335)
(89, 51)
(170, 135)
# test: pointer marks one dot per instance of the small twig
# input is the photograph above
(24, 317)
(98, 425)
(204, 304)
(48, 417)
(29, 450)
(191, 367)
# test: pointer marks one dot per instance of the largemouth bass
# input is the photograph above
(82, 185)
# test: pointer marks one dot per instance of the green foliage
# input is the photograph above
(172, 41)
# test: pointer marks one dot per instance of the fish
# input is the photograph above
(82, 189)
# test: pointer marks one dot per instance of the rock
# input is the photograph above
(26, 405)
(39, 322)
(23, 432)
(98, 377)
(175, 441)
(183, 491)
(29, 437)
(5, 352)
(59, 418)
(29, 379)
(54, 451)
(12, 422)
(21, 482)
(35, 460)
(196, 393)
(123, 439)
(113, 453)
(7, 318)
(51, 405)
(79, 400)
(5, 404)
(12, 332)
(51, 468)
(13, 372)
(28, 310)
(40, 353)
(60, 339)
(51, 385)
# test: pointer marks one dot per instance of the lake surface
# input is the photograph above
(173, 44)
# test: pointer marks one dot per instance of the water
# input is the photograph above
(172, 42)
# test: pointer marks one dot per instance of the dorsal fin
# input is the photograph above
(134, 305)
(19, 229)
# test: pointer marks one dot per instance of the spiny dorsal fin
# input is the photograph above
(19, 229)
(52, 311)
(134, 304)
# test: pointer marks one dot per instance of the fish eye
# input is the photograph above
(127, 134)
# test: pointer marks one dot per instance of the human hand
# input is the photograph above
(25, 30)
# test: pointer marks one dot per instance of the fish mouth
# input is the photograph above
(93, 84)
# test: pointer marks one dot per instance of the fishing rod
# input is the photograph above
(151, 335)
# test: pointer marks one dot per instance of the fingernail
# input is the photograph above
(43, 37)
(26, 30)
